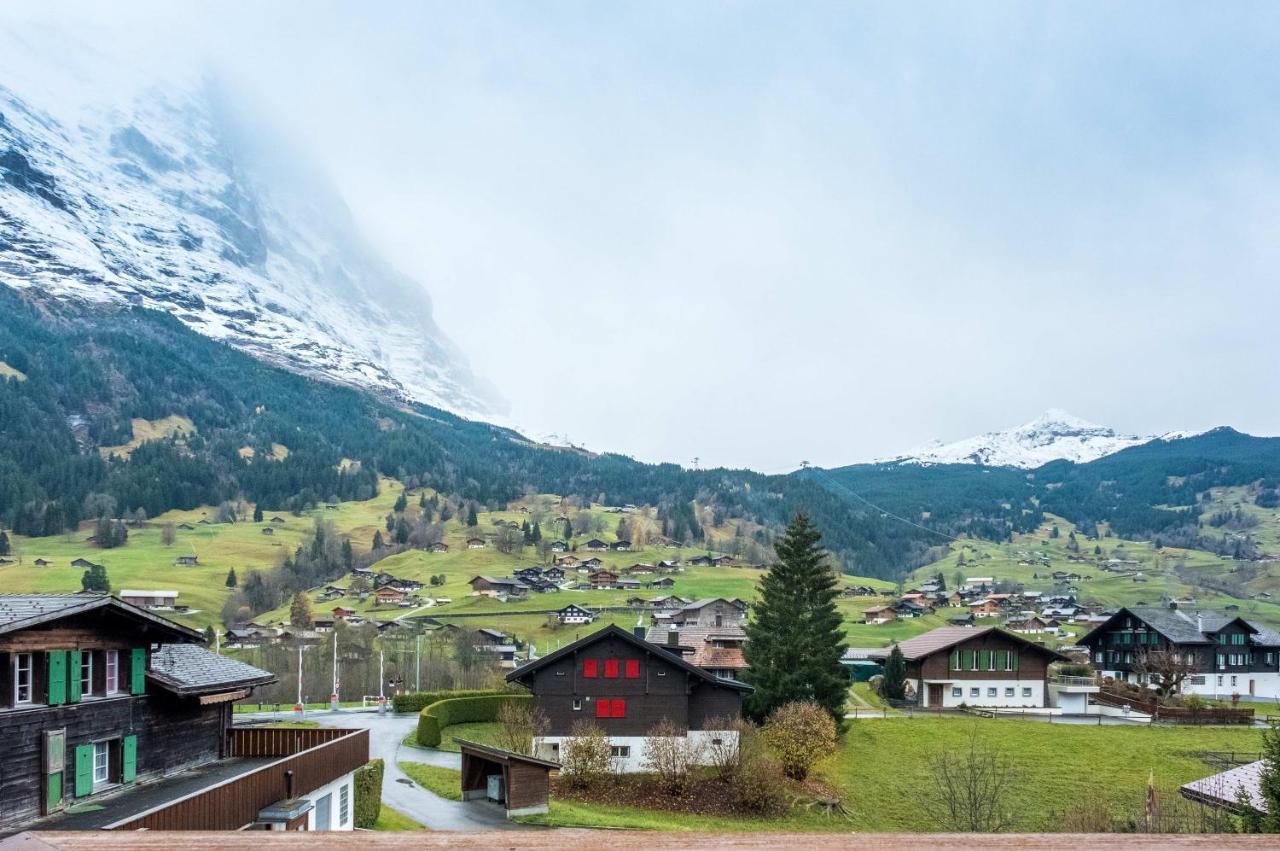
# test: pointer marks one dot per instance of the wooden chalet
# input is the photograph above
(438, 547)
(879, 614)
(554, 574)
(389, 595)
(475, 543)
(710, 611)
(601, 579)
(567, 561)
(559, 547)
(106, 709)
(84, 564)
(575, 614)
(953, 666)
(663, 582)
(187, 561)
(490, 586)
(277, 519)
(626, 685)
(622, 546)
(595, 545)
(40, 562)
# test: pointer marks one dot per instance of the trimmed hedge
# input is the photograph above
(420, 700)
(368, 791)
(461, 710)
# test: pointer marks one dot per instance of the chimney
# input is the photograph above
(1173, 604)
(638, 629)
(1199, 622)
(673, 637)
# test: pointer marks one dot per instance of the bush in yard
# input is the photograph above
(671, 755)
(800, 733)
(417, 701)
(461, 710)
(368, 792)
(586, 757)
(521, 723)
(725, 754)
(758, 783)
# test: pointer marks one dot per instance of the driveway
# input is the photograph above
(386, 735)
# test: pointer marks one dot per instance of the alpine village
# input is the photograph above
(274, 557)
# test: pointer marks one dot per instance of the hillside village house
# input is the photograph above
(601, 579)
(150, 599)
(106, 704)
(715, 649)
(187, 561)
(711, 611)
(490, 586)
(388, 595)
(439, 547)
(988, 667)
(475, 543)
(1225, 655)
(575, 614)
(595, 545)
(879, 614)
(626, 685)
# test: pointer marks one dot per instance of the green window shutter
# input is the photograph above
(73, 676)
(128, 759)
(84, 770)
(955, 660)
(1000, 657)
(138, 671)
(984, 660)
(1015, 661)
(56, 668)
(53, 792)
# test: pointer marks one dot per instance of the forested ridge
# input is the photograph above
(90, 371)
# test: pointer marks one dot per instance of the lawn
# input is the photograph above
(882, 769)
(480, 732)
(394, 820)
(445, 782)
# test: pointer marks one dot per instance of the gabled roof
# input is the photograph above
(192, 669)
(1182, 627)
(612, 631)
(21, 611)
(946, 637)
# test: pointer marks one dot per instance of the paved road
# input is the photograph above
(386, 735)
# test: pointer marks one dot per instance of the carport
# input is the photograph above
(521, 784)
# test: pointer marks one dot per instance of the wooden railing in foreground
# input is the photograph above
(1177, 714)
(308, 759)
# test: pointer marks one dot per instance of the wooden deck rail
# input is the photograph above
(1177, 714)
(308, 759)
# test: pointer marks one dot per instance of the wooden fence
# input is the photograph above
(308, 758)
(1177, 714)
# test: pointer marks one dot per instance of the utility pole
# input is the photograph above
(333, 698)
(382, 681)
(417, 662)
(297, 707)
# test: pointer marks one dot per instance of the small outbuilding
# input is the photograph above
(521, 784)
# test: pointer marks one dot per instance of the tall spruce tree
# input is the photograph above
(794, 640)
(894, 684)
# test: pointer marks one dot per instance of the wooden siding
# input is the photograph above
(527, 785)
(315, 757)
(1031, 665)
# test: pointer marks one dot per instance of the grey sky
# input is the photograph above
(760, 233)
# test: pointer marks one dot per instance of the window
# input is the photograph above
(1008, 692)
(611, 669)
(956, 691)
(344, 804)
(111, 661)
(633, 669)
(577, 705)
(1100, 657)
(1238, 638)
(86, 673)
(590, 668)
(1026, 691)
(1233, 681)
(975, 691)
(991, 691)
(620, 751)
(101, 762)
(1222, 662)
(1219, 680)
(22, 678)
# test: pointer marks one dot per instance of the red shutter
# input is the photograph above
(602, 709)
(611, 669)
(619, 709)
(589, 668)
(633, 669)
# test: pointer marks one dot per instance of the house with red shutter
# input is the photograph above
(626, 685)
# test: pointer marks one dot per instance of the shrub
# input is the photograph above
(419, 700)
(800, 733)
(521, 724)
(671, 755)
(759, 784)
(368, 793)
(461, 710)
(586, 757)
(725, 754)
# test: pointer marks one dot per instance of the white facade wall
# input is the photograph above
(334, 790)
(1019, 698)
(632, 761)
(1265, 684)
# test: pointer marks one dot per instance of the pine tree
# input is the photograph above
(401, 503)
(95, 579)
(257, 513)
(348, 555)
(231, 578)
(377, 540)
(210, 636)
(422, 501)
(4, 544)
(472, 520)
(794, 640)
(536, 534)
(894, 684)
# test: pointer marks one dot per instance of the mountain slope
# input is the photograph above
(113, 190)
(1054, 435)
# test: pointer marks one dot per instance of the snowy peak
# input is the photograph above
(114, 190)
(1054, 435)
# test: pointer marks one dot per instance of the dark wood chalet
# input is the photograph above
(626, 685)
(1225, 654)
(106, 703)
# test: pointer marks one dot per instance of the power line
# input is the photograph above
(804, 465)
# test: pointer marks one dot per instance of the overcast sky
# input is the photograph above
(761, 233)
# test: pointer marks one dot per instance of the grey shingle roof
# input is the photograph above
(1185, 627)
(192, 669)
(16, 608)
(21, 611)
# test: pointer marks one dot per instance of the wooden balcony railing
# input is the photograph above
(307, 760)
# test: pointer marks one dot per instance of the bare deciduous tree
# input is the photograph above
(672, 756)
(1165, 670)
(519, 724)
(586, 757)
(969, 790)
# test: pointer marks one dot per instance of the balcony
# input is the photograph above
(1088, 685)
(263, 766)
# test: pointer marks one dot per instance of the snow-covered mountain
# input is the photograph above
(116, 189)
(1052, 436)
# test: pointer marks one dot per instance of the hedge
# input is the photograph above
(461, 710)
(419, 700)
(368, 783)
